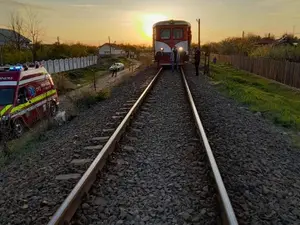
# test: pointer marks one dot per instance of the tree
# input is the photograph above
(26, 26)
(17, 26)
(34, 31)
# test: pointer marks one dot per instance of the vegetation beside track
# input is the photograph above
(274, 101)
(79, 100)
(73, 79)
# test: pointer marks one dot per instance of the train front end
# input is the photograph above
(166, 35)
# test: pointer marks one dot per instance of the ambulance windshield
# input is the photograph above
(6, 96)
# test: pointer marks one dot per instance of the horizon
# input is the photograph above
(134, 19)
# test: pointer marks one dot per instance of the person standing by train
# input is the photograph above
(158, 58)
(197, 60)
(174, 58)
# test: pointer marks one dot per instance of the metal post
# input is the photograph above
(109, 46)
(1, 56)
(208, 60)
(198, 20)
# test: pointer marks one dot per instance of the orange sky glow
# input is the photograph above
(92, 21)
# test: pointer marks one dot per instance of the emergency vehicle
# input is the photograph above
(27, 94)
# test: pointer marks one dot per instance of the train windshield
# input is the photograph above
(165, 33)
(6, 96)
(177, 33)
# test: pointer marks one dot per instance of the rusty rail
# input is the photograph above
(68, 208)
(227, 212)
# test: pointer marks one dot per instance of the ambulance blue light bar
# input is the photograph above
(15, 68)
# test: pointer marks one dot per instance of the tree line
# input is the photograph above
(287, 49)
(29, 25)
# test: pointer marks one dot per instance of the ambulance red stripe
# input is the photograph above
(31, 76)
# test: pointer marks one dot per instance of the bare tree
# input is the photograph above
(34, 31)
(26, 26)
(17, 26)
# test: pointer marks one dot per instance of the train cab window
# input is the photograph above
(177, 33)
(165, 33)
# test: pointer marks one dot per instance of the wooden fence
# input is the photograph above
(282, 71)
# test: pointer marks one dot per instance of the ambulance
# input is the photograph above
(27, 95)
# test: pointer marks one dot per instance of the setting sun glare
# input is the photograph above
(148, 20)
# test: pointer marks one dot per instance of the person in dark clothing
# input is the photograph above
(175, 58)
(197, 60)
(158, 58)
(215, 60)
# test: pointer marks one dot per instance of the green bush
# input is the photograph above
(291, 53)
(46, 52)
(88, 98)
(248, 46)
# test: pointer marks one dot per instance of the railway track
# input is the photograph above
(154, 168)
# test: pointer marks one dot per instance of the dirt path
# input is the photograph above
(105, 81)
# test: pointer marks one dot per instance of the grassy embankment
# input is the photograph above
(73, 79)
(276, 102)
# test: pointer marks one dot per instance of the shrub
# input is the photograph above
(87, 99)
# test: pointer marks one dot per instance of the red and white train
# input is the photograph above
(170, 33)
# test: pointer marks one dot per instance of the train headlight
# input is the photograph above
(180, 49)
(161, 49)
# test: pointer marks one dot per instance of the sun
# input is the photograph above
(148, 21)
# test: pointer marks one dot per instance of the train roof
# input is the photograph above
(172, 22)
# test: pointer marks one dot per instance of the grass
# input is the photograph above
(88, 98)
(73, 79)
(276, 102)
(27, 143)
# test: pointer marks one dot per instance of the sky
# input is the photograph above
(130, 21)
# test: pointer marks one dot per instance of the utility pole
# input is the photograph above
(243, 35)
(1, 56)
(58, 40)
(109, 45)
(294, 30)
(198, 20)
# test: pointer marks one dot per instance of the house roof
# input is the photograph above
(7, 35)
(265, 41)
(112, 45)
(285, 40)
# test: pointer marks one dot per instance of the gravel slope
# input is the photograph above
(29, 192)
(159, 178)
(260, 170)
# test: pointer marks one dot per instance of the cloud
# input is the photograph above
(277, 2)
(84, 6)
(16, 3)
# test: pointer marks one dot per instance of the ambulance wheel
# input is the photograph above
(18, 128)
(53, 109)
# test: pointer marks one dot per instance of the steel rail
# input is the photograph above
(229, 215)
(68, 208)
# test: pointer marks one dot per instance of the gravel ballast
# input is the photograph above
(29, 190)
(259, 167)
(159, 173)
